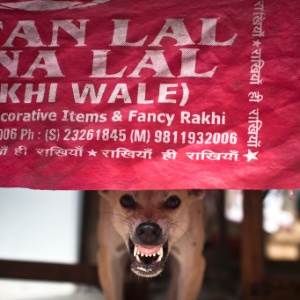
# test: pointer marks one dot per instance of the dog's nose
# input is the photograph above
(148, 233)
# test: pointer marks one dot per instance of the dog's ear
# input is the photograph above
(197, 193)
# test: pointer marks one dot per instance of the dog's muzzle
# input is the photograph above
(148, 250)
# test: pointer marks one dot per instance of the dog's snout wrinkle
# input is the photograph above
(148, 233)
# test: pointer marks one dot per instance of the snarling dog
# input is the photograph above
(148, 227)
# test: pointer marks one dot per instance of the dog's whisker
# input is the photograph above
(112, 213)
(116, 215)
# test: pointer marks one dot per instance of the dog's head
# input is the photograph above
(150, 222)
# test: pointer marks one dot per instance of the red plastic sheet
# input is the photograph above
(115, 94)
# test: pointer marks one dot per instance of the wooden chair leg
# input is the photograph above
(252, 260)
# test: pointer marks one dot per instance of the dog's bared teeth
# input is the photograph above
(136, 254)
(138, 259)
(160, 254)
(139, 254)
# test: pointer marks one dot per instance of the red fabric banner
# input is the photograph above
(115, 94)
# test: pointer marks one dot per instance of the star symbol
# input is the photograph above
(251, 155)
(92, 153)
(256, 43)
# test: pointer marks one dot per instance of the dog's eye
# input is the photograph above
(127, 201)
(172, 202)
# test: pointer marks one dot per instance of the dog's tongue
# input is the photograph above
(148, 249)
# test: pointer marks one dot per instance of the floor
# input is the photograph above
(221, 282)
(18, 290)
